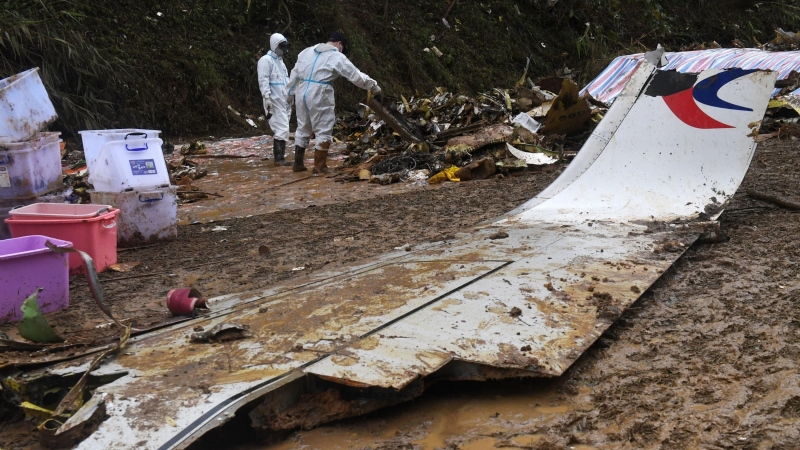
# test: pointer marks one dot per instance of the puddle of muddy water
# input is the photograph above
(474, 412)
(250, 186)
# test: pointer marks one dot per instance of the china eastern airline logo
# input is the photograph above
(682, 92)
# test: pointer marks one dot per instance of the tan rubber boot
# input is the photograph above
(324, 147)
(320, 156)
(299, 155)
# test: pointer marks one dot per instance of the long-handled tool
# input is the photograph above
(398, 123)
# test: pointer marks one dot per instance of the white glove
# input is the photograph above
(267, 105)
(376, 90)
(290, 99)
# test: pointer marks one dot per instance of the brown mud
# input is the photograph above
(249, 186)
(707, 358)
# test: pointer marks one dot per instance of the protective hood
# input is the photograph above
(322, 48)
(275, 40)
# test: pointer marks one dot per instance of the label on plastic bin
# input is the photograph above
(143, 166)
(5, 180)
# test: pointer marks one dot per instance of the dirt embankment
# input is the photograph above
(177, 66)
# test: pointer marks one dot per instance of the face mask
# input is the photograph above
(283, 49)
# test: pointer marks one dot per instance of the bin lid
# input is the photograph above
(38, 139)
(119, 132)
(57, 211)
(28, 246)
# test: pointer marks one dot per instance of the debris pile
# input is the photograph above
(784, 41)
(459, 138)
(782, 119)
(783, 112)
(182, 171)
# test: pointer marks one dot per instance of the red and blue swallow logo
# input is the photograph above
(682, 92)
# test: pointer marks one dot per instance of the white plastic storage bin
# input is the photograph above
(93, 141)
(145, 216)
(30, 168)
(132, 164)
(24, 106)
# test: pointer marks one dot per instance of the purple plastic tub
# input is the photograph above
(25, 265)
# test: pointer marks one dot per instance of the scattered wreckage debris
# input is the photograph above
(486, 136)
(183, 171)
(787, 85)
(243, 119)
(477, 170)
(224, 332)
(74, 419)
(782, 119)
(775, 200)
(123, 267)
(185, 301)
(455, 129)
(398, 123)
(376, 333)
(534, 158)
(193, 148)
(784, 41)
(568, 113)
(789, 131)
(386, 146)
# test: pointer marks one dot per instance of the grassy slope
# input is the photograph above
(179, 71)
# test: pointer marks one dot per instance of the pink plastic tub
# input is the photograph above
(25, 265)
(57, 211)
(96, 236)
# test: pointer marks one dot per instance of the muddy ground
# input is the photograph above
(708, 357)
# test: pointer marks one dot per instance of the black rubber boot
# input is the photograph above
(279, 150)
(299, 156)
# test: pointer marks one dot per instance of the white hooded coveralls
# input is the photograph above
(310, 83)
(272, 80)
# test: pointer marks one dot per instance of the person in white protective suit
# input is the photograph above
(272, 80)
(310, 87)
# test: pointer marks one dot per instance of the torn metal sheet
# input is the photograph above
(535, 159)
(398, 123)
(493, 134)
(524, 295)
(790, 101)
(667, 157)
(526, 121)
(552, 276)
(568, 113)
(541, 110)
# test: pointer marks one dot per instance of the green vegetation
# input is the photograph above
(177, 65)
